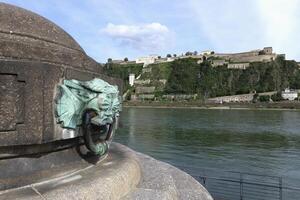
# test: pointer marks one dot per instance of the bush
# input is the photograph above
(255, 97)
(264, 98)
(277, 97)
(158, 94)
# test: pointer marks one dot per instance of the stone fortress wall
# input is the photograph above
(217, 59)
(241, 60)
(144, 90)
(238, 65)
(238, 98)
(264, 51)
(258, 58)
(233, 98)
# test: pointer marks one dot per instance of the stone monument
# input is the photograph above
(36, 56)
(51, 94)
(54, 99)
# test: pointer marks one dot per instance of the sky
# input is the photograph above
(121, 28)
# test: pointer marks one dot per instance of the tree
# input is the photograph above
(188, 53)
(126, 59)
(277, 97)
(255, 97)
(169, 55)
(183, 77)
(159, 57)
(109, 60)
(264, 98)
(195, 53)
(174, 55)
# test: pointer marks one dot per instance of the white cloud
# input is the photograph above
(229, 25)
(281, 25)
(153, 36)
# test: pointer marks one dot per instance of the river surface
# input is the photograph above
(255, 141)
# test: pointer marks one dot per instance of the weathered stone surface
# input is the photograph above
(144, 90)
(143, 194)
(15, 20)
(124, 174)
(160, 176)
(28, 103)
(26, 35)
(8, 106)
(35, 56)
(110, 178)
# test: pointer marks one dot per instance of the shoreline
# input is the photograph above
(277, 106)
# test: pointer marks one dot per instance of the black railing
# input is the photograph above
(243, 186)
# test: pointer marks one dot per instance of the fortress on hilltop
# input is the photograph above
(231, 60)
(149, 82)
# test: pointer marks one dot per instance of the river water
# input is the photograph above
(255, 141)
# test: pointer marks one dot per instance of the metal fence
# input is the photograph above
(244, 186)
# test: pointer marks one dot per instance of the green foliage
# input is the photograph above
(188, 53)
(182, 78)
(158, 71)
(276, 97)
(264, 98)
(189, 77)
(158, 94)
(122, 71)
(255, 98)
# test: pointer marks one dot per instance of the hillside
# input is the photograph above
(122, 71)
(186, 76)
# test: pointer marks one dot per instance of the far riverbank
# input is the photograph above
(284, 105)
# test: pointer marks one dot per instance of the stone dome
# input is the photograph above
(28, 36)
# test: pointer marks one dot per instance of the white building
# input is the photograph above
(207, 52)
(147, 59)
(170, 59)
(131, 79)
(289, 94)
(238, 65)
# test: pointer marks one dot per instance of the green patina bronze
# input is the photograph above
(76, 98)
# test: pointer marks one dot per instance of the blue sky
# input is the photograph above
(122, 28)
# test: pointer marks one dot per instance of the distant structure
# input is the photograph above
(147, 59)
(239, 97)
(290, 95)
(216, 63)
(207, 52)
(238, 65)
(117, 61)
(131, 79)
(243, 59)
(233, 98)
(231, 60)
(155, 59)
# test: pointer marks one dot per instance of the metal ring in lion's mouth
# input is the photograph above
(100, 146)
